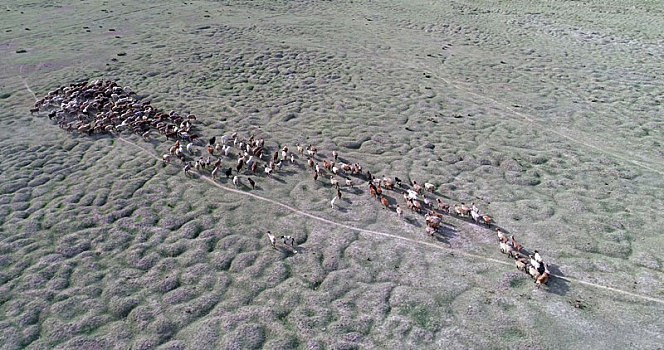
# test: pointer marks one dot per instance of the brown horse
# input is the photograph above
(385, 202)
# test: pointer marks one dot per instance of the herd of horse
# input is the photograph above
(101, 107)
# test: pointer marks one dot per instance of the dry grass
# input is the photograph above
(547, 115)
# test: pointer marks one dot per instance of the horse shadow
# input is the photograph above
(390, 199)
(288, 251)
(287, 172)
(441, 238)
(354, 190)
(556, 284)
(437, 193)
(412, 221)
(343, 160)
(277, 179)
(447, 230)
(341, 209)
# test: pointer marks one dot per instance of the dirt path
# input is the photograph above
(388, 235)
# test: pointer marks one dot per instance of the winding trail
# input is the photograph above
(25, 83)
(372, 232)
(520, 115)
(29, 89)
(541, 126)
(319, 218)
(385, 234)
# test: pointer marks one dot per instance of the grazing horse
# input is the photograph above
(372, 192)
(505, 248)
(272, 238)
(427, 202)
(475, 215)
(388, 183)
(486, 219)
(515, 244)
(501, 236)
(534, 262)
(521, 263)
(532, 271)
(385, 202)
(240, 162)
(417, 187)
(432, 220)
(417, 206)
(544, 277)
(538, 258)
(442, 206)
(289, 241)
(462, 210)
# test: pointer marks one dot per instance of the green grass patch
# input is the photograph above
(421, 315)
(513, 333)
(518, 282)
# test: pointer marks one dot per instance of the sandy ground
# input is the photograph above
(546, 114)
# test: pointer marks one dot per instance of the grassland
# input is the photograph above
(546, 114)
